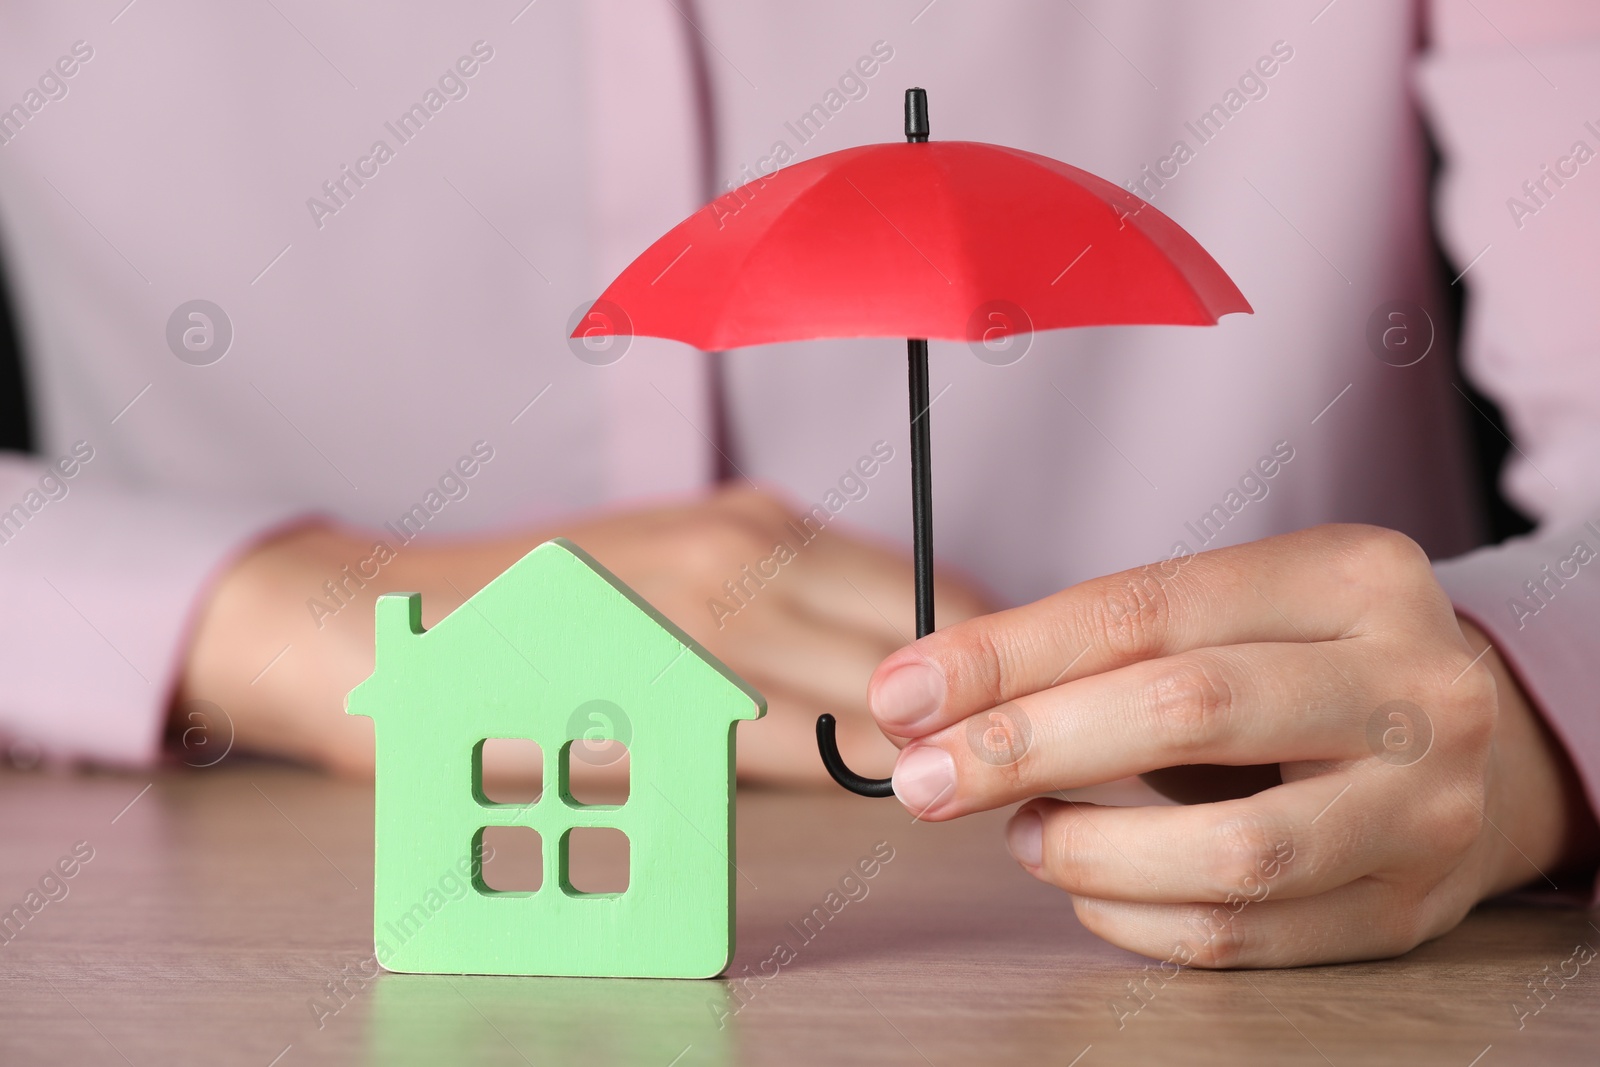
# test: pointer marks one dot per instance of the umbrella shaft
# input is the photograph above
(921, 485)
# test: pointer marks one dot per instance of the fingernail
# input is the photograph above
(908, 695)
(924, 776)
(1025, 838)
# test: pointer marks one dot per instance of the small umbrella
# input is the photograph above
(950, 240)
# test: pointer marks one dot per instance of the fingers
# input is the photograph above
(1300, 839)
(1258, 592)
(1364, 920)
(857, 584)
(869, 587)
(766, 551)
(786, 647)
(1301, 873)
(1239, 705)
(715, 565)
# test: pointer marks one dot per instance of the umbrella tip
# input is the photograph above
(916, 115)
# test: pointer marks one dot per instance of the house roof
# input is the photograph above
(557, 594)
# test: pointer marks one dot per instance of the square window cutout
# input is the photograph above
(507, 859)
(507, 770)
(595, 860)
(595, 772)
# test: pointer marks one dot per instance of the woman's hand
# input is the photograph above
(807, 637)
(1415, 778)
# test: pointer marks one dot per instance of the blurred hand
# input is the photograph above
(807, 639)
(1412, 776)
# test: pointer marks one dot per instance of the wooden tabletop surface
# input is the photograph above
(217, 906)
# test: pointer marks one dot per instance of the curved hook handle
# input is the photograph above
(828, 745)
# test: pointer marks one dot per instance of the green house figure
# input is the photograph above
(521, 659)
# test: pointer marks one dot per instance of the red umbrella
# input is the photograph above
(952, 240)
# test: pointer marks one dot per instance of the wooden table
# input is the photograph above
(219, 904)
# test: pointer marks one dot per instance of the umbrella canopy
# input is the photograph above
(910, 240)
(953, 240)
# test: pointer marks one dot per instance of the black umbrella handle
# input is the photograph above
(828, 745)
(921, 505)
(921, 484)
(921, 442)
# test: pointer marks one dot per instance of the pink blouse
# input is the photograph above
(273, 260)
